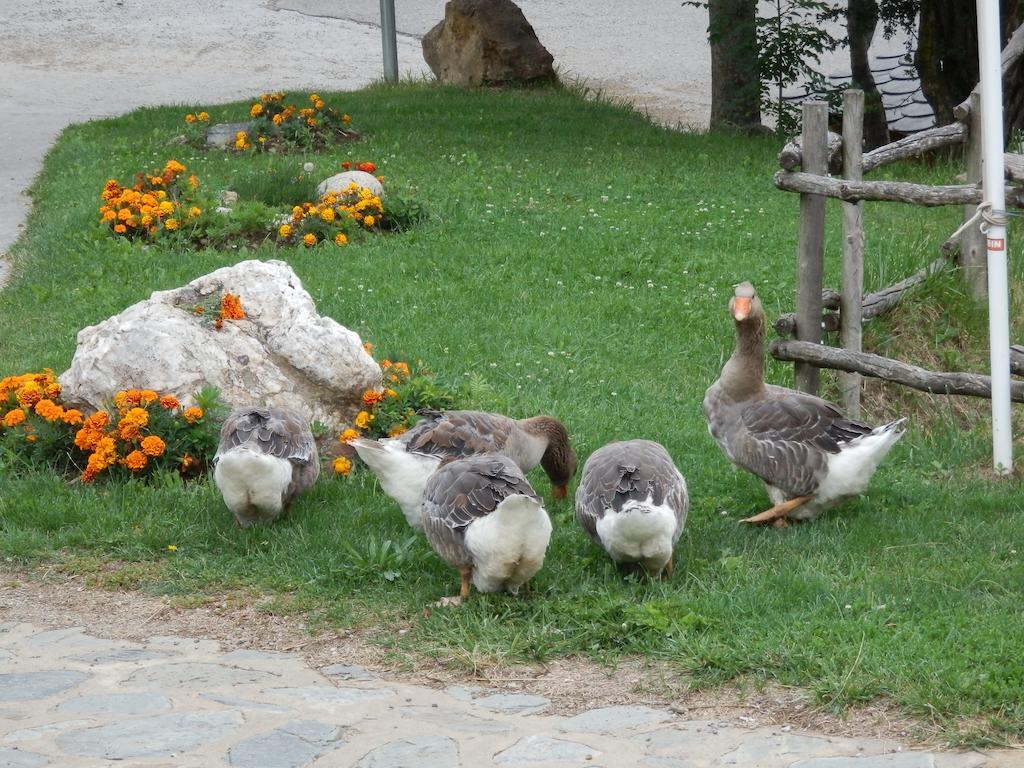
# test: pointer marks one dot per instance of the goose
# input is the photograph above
(633, 502)
(808, 454)
(266, 457)
(482, 517)
(403, 464)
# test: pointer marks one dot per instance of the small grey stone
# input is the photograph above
(15, 758)
(294, 744)
(117, 704)
(42, 731)
(198, 674)
(608, 719)
(544, 749)
(118, 656)
(71, 636)
(764, 749)
(514, 703)
(223, 134)
(318, 694)
(159, 736)
(37, 685)
(453, 720)
(234, 701)
(892, 760)
(245, 654)
(414, 752)
(463, 692)
(348, 672)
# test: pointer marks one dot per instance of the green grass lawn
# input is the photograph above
(577, 261)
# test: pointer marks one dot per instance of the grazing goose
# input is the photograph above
(632, 501)
(404, 463)
(483, 518)
(265, 459)
(808, 454)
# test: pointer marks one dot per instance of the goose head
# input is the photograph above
(743, 374)
(559, 459)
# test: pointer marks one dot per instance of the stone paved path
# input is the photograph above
(71, 699)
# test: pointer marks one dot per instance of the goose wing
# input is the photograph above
(787, 439)
(462, 492)
(458, 434)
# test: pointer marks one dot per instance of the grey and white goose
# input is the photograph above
(808, 454)
(482, 517)
(265, 459)
(632, 500)
(403, 464)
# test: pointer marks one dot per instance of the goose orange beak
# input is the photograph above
(741, 307)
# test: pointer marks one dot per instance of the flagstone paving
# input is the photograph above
(71, 699)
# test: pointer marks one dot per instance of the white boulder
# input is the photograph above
(281, 354)
(339, 181)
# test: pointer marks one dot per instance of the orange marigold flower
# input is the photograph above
(391, 393)
(188, 463)
(368, 347)
(193, 414)
(309, 239)
(345, 165)
(231, 307)
(195, 211)
(367, 167)
(153, 446)
(14, 418)
(284, 231)
(128, 431)
(135, 461)
(72, 416)
(203, 117)
(98, 420)
(346, 119)
(193, 181)
(170, 402)
(341, 239)
(173, 166)
(86, 438)
(137, 416)
(256, 110)
(371, 397)
(29, 394)
(369, 221)
(327, 214)
(402, 369)
(49, 410)
(147, 396)
(348, 435)
(396, 430)
(342, 466)
(190, 118)
(277, 119)
(171, 224)
(363, 419)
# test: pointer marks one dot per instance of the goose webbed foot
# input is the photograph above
(777, 514)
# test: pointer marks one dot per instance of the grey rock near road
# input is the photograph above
(83, 701)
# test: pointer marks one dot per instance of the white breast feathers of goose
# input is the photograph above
(482, 518)
(265, 459)
(404, 464)
(809, 455)
(632, 500)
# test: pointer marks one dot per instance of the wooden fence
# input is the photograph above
(819, 152)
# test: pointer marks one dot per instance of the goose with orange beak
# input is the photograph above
(808, 454)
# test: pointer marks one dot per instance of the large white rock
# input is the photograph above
(282, 354)
(339, 181)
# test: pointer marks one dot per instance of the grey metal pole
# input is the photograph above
(389, 40)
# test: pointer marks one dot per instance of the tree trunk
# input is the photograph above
(735, 77)
(861, 20)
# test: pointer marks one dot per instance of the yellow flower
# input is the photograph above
(327, 214)
(277, 119)
(284, 231)
(314, 98)
(172, 224)
(153, 446)
(203, 117)
(193, 414)
(346, 119)
(369, 221)
(342, 466)
(348, 435)
(256, 110)
(309, 239)
(172, 547)
(14, 418)
(190, 118)
(341, 239)
(318, 104)
(363, 420)
(194, 211)
(173, 166)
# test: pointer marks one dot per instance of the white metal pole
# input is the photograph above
(993, 193)
(389, 39)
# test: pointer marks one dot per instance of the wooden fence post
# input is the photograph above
(811, 249)
(852, 286)
(973, 257)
